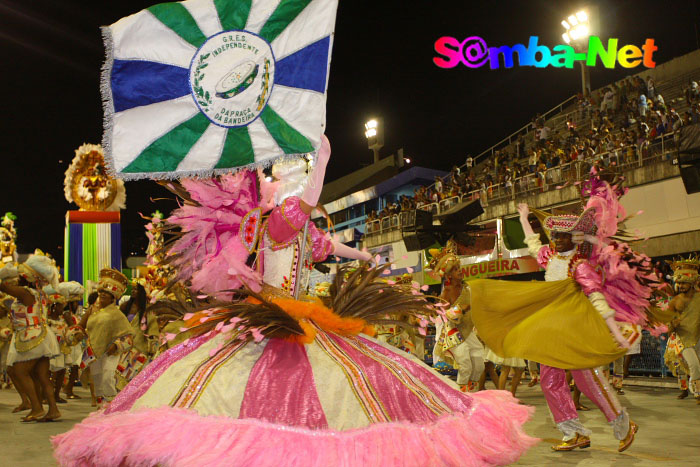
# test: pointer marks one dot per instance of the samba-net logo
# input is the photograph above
(474, 53)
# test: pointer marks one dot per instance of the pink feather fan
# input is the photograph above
(209, 253)
(624, 276)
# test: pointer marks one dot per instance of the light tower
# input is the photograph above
(578, 29)
(374, 132)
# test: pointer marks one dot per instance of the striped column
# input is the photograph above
(92, 242)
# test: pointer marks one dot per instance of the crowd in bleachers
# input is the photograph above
(617, 125)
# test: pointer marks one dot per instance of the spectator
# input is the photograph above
(660, 102)
(438, 184)
(643, 105)
(650, 88)
(676, 121)
(693, 91)
(520, 147)
(695, 113)
(533, 160)
(606, 105)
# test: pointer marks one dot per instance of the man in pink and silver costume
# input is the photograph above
(593, 280)
(330, 395)
(567, 232)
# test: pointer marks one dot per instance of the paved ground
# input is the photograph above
(669, 432)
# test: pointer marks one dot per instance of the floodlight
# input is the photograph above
(565, 24)
(582, 16)
(566, 38)
(371, 132)
(572, 20)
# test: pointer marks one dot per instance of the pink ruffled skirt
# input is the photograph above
(340, 401)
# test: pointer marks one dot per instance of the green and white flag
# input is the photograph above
(208, 86)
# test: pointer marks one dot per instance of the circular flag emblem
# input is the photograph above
(231, 77)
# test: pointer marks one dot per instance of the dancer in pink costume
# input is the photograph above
(590, 381)
(274, 380)
(572, 321)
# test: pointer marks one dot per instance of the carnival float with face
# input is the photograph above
(88, 184)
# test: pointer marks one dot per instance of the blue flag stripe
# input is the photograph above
(136, 83)
(306, 68)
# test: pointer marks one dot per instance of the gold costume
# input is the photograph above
(688, 330)
(456, 328)
(553, 323)
(105, 326)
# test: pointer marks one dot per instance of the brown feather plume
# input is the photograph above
(267, 317)
(362, 293)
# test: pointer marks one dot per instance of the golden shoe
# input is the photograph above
(627, 442)
(580, 441)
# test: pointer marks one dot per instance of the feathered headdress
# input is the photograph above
(625, 277)
(443, 261)
(39, 267)
(685, 269)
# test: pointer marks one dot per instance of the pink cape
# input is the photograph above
(489, 433)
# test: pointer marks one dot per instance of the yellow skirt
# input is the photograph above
(552, 323)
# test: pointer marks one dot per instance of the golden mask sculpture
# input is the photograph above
(159, 273)
(8, 236)
(88, 184)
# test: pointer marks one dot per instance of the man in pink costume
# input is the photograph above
(566, 231)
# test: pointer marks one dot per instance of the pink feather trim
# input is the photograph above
(489, 434)
(210, 253)
(615, 269)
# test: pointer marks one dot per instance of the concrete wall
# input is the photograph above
(570, 194)
(666, 209)
(673, 68)
(372, 241)
(667, 245)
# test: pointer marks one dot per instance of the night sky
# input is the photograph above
(51, 51)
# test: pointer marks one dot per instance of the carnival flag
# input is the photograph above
(207, 86)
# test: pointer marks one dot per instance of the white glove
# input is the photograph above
(601, 305)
